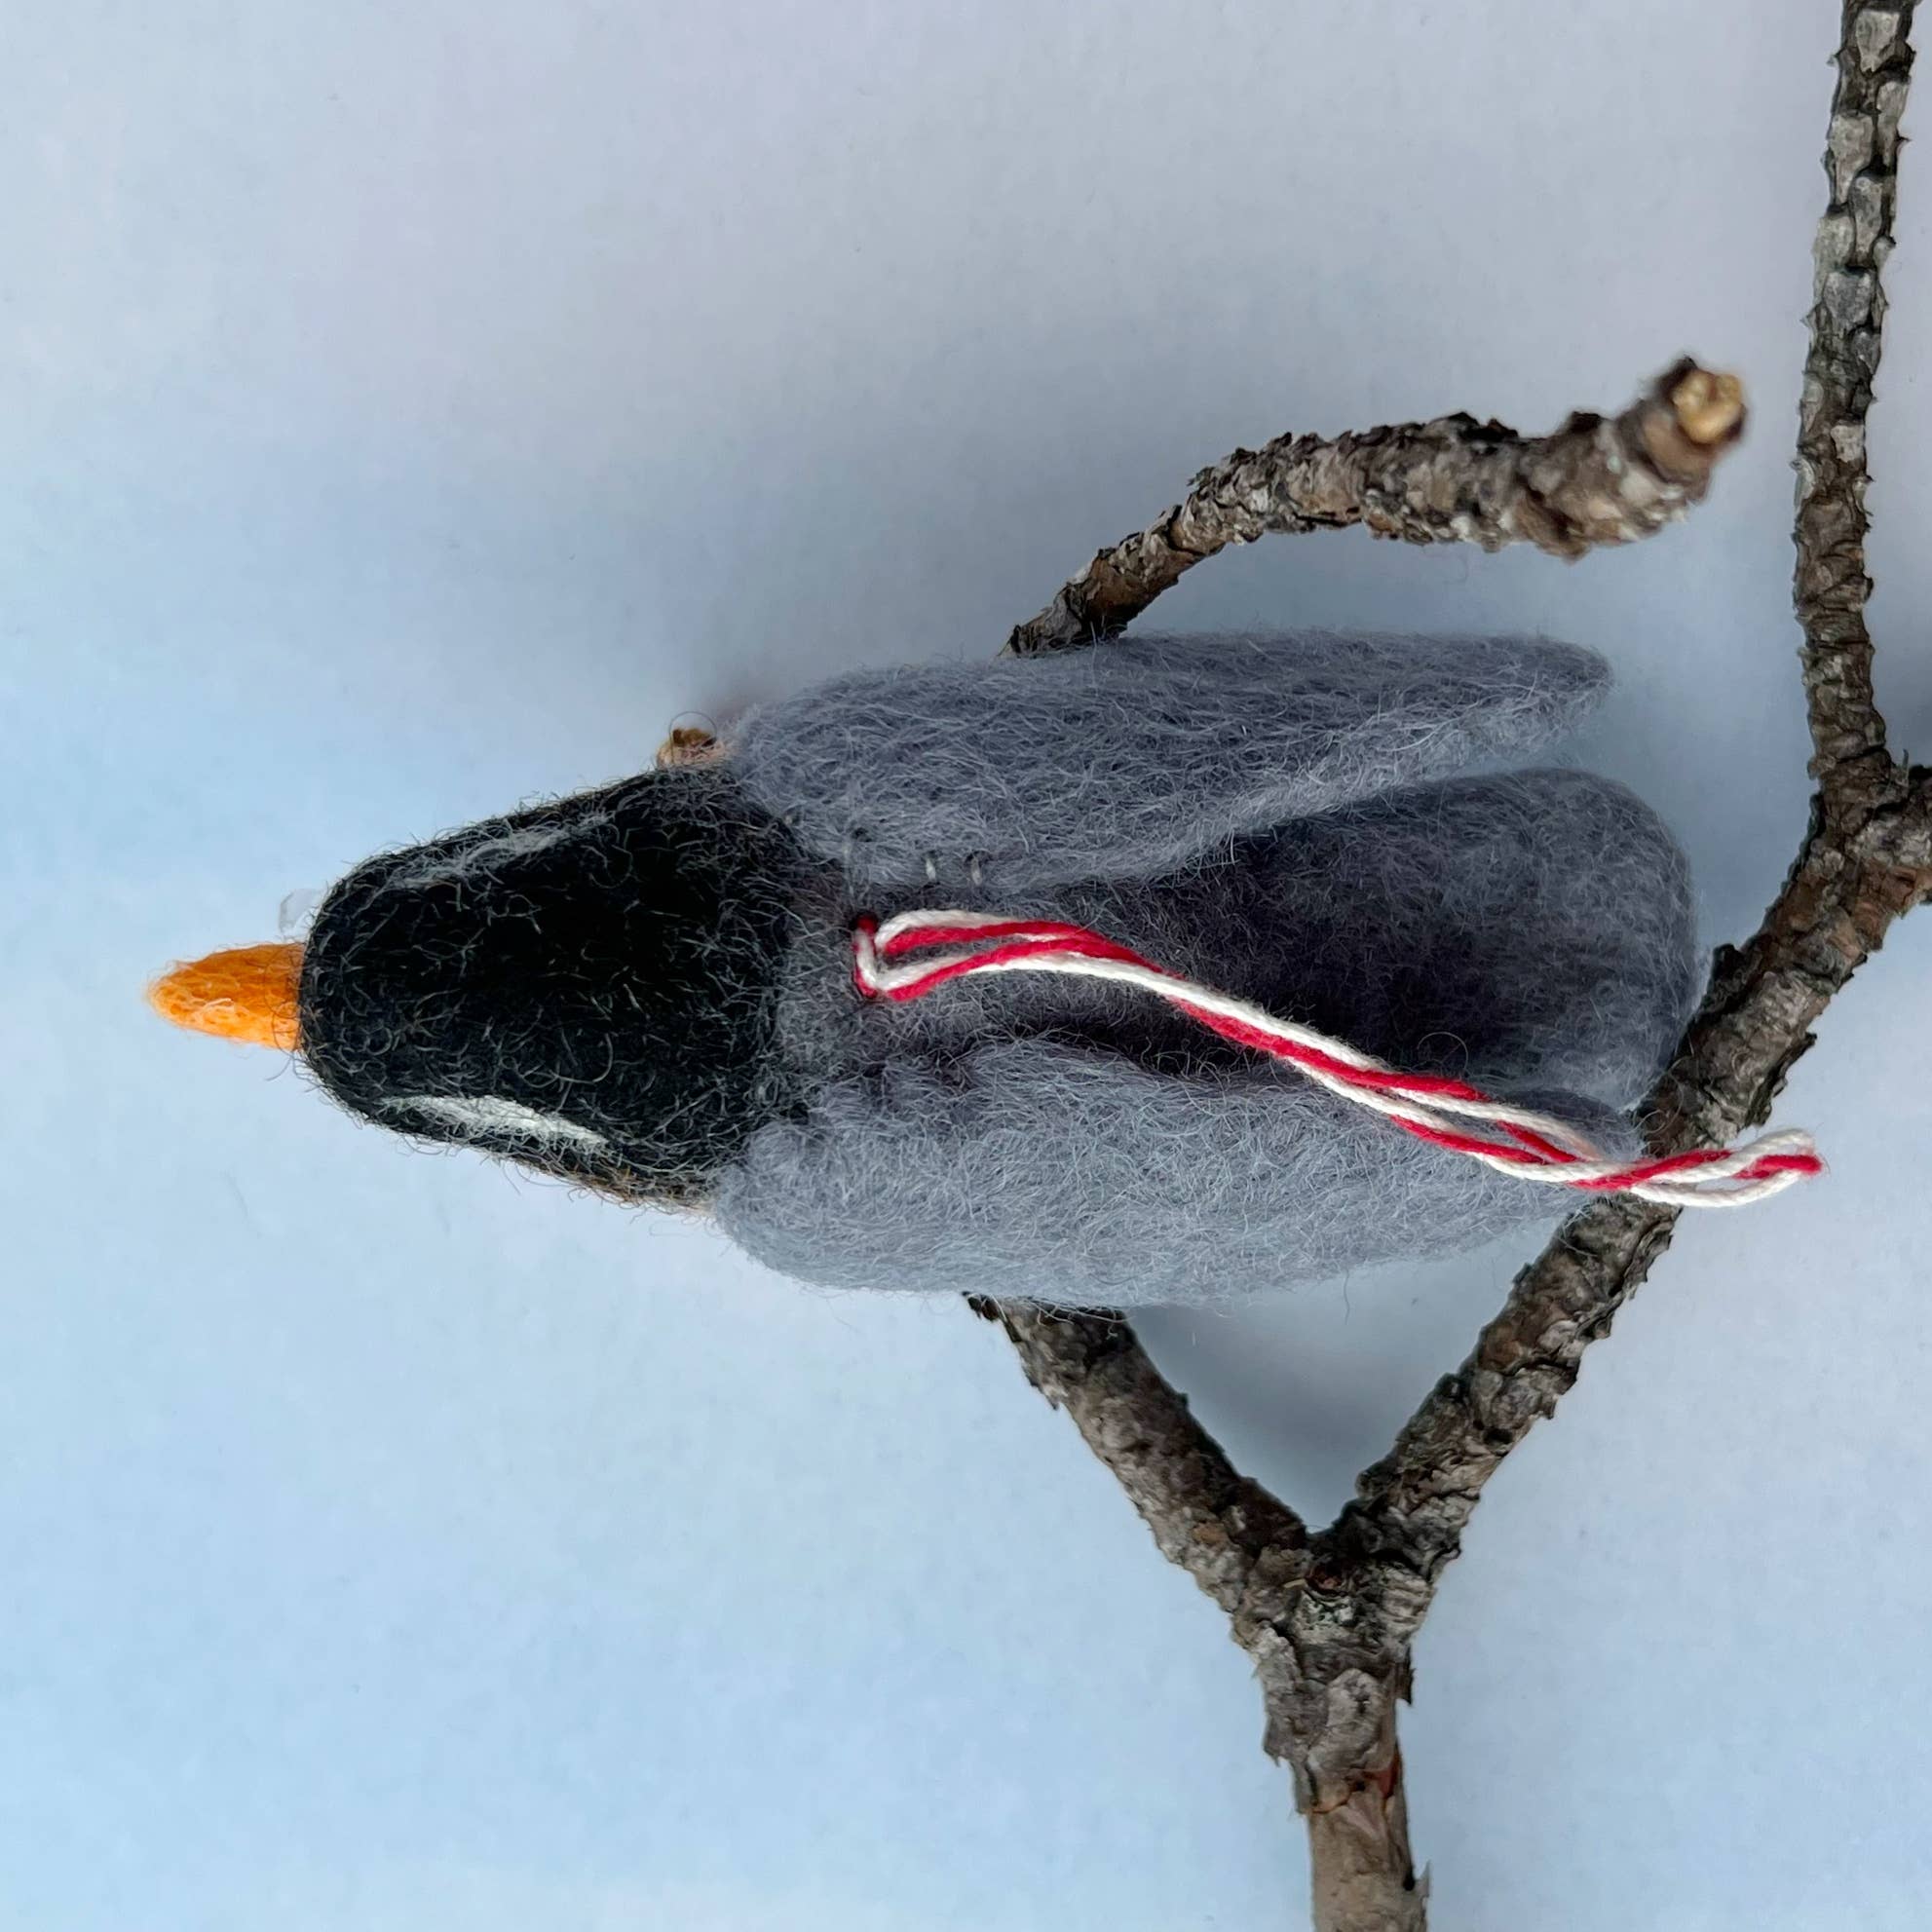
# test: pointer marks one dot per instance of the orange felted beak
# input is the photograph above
(247, 994)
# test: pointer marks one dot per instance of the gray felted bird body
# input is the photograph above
(650, 988)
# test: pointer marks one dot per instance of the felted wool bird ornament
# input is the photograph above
(1151, 972)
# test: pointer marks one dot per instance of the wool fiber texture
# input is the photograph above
(1061, 1141)
(587, 986)
(1130, 760)
(650, 987)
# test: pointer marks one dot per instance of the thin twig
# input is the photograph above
(1595, 481)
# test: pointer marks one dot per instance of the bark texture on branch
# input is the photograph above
(1330, 1681)
(1329, 1618)
(1364, 1877)
(1847, 319)
(1593, 482)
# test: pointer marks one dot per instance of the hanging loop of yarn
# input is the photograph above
(915, 952)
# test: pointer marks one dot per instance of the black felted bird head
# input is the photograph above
(584, 985)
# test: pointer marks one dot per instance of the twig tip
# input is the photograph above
(1709, 406)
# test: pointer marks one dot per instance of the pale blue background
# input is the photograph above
(408, 408)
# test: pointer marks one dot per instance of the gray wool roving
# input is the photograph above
(1131, 761)
(1273, 817)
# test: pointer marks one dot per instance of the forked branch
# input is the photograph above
(1329, 1618)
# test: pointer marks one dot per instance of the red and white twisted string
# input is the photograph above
(911, 953)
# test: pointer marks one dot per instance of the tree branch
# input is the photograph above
(1329, 1618)
(1848, 317)
(1593, 482)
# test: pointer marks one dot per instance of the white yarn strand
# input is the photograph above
(1712, 1183)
